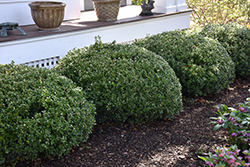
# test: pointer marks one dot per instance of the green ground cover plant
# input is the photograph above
(236, 39)
(227, 157)
(127, 83)
(202, 64)
(42, 114)
(236, 122)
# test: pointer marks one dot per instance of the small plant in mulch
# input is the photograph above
(237, 124)
(127, 83)
(42, 114)
(227, 157)
(202, 64)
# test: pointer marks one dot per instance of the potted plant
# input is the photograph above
(47, 15)
(106, 10)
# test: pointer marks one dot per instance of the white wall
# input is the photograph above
(169, 6)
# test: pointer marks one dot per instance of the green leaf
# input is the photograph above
(203, 158)
(216, 127)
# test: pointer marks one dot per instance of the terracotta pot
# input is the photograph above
(107, 10)
(47, 15)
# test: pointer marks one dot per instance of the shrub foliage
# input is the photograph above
(202, 64)
(127, 83)
(236, 39)
(41, 114)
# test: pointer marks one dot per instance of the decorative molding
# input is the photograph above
(128, 2)
(169, 6)
(14, 1)
(181, 5)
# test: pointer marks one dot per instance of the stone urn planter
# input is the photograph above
(47, 15)
(107, 10)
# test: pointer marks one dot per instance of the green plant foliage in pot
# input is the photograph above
(127, 83)
(236, 39)
(42, 114)
(202, 64)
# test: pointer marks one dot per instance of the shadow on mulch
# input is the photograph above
(175, 142)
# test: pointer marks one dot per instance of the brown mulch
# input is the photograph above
(175, 142)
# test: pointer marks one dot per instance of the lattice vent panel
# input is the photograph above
(44, 63)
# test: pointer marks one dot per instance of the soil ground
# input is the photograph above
(173, 143)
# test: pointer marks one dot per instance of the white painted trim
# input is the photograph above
(128, 2)
(14, 1)
(169, 6)
(181, 5)
(165, 6)
(162, 9)
(82, 5)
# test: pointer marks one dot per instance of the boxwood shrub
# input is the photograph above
(236, 39)
(127, 83)
(202, 64)
(42, 114)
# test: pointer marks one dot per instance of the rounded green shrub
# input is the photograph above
(202, 64)
(42, 114)
(127, 83)
(236, 39)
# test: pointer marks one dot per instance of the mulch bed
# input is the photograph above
(176, 142)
